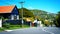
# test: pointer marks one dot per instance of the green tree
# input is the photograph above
(58, 19)
(26, 13)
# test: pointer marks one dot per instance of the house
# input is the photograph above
(38, 23)
(9, 13)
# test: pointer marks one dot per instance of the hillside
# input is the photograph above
(43, 14)
(33, 13)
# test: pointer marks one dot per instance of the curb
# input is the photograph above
(18, 29)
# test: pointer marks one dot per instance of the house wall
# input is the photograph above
(15, 11)
(0, 22)
(15, 14)
(5, 15)
(14, 17)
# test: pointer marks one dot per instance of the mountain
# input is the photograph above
(43, 14)
(33, 13)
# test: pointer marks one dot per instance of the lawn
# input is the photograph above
(1, 29)
(11, 27)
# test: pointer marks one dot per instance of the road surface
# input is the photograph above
(35, 30)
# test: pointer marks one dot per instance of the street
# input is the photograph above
(35, 30)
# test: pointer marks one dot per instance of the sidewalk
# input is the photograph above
(18, 29)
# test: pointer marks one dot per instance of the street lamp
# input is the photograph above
(22, 11)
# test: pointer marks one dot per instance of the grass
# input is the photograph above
(26, 26)
(1, 29)
(11, 27)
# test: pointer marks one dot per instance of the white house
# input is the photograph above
(39, 23)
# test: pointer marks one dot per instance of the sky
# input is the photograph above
(52, 6)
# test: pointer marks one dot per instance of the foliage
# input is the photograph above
(46, 22)
(1, 29)
(26, 13)
(43, 14)
(6, 25)
(58, 19)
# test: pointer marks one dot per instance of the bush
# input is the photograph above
(6, 25)
(1, 29)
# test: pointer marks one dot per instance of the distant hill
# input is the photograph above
(43, 14)
(35, 12)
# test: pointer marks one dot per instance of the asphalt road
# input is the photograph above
(35, 30)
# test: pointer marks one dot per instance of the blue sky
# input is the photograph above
(52, 6)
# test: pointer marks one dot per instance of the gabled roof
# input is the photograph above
(6, 9)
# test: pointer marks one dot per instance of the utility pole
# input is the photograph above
(22, 10)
